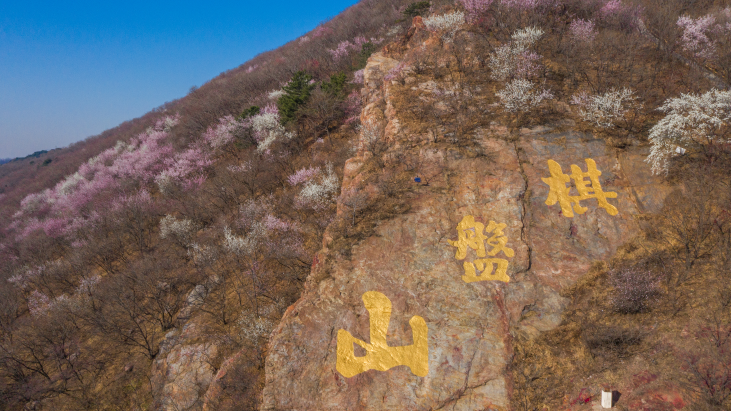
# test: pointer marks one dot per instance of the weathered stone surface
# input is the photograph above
(216, 388)
(378, 66)
(182, 371)
(409, 259)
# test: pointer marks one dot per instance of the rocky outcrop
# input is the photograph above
(412, 261)
(183, 370)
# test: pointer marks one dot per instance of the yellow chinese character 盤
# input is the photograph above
(560, 193)
(379, 356)
(470, 235)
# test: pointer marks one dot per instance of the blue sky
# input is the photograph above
(69, 71)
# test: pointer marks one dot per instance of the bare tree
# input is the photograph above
(355, 199)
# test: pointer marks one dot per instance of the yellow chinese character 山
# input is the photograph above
(560, 193)
(379, 356)
(469, 234)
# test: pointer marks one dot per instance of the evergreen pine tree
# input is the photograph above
(296, 93)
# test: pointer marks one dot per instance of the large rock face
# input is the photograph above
(412, 262)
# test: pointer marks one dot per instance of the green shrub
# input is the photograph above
(296, 94)
(336, 86)
(249, 112)
(366, 50)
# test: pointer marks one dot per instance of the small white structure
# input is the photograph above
(606, 399)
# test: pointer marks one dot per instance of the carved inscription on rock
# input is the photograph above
(379, 356)
(559, 193)
(470, 235)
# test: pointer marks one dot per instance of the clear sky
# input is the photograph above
(69, 70)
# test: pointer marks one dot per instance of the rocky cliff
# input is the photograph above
(414, 261)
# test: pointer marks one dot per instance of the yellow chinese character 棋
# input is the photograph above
(559, 193)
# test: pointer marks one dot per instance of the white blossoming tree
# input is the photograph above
(692, 121)
(515, 63)
(268, 128)
(515, 59)
(519, 96)
(447, 24)
(244, 245)
(275, 94)
(604, 110)
(180, 231)
(318, 193)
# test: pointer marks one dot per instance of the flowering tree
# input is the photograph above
(144, 160)
(526, 5)
(475, 8)
(252, 328)
(181, 231)
(273, 223)
(515, 59)
(303, 175)
(709, 38)
(582, 31)
(691, 122)
(612, 7)
(371, 139)
(256, 225)
(519, 96)
(267, 127)
(395, 72)
(318, 193)
(285, 238)
(322, 31)
(358, 77)
(87, 285)
(244, 245)
(221, 134)
(359, 44)
(38, 303)
(345, 47)
(447, 24)
(616, 13)
(186, 170)
(341, 50)
(696, 35)
(275, 94)
(604, 109)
